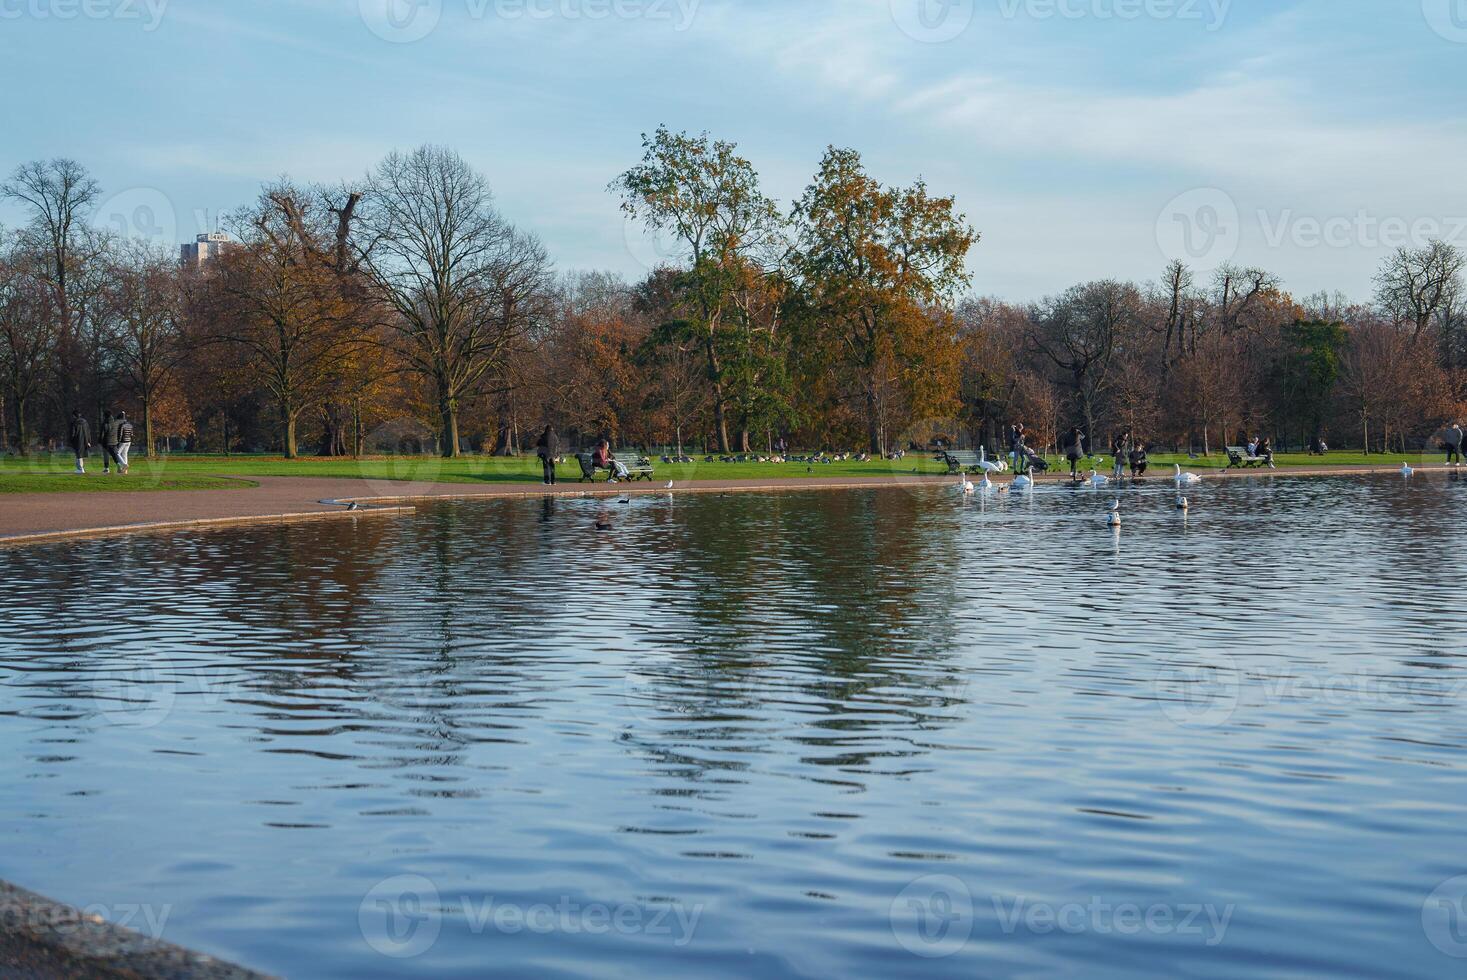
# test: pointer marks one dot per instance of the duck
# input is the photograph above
(1187, 479)
(1098, 481)
(1407, 471)
(1114, 520)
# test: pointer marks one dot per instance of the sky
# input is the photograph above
(1084, 139)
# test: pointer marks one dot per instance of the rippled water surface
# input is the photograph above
(814, 734)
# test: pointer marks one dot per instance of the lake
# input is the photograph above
(875, 733)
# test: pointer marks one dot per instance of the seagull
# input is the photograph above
(1187, 479)
(353, 506)
(669, 484)
(1114, 520)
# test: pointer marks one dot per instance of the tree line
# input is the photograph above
(405, 311)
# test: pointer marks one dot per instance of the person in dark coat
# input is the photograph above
(108, 434)
(124, 441)
(1075, 451)
(548, 448)
(1453, 439)
(80, 438)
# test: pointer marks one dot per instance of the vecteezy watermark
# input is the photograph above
(405, 21)
(1359, 230)
(933, 916)
(1447, 17)
(1444, 918)
(1200, 226)
(932, 21)
(148, 12)
(1203, 695)
(1209, 13)
(403, 917)
(1100, 917)
(22, 918)
(143, 213)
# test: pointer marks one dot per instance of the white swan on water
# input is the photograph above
(1022, 482)
(1187, 479)
(1097, 481)
(987, 485)
(1406, 470)
(966, 486)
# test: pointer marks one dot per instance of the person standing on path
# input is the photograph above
(124, 441)
(1075, 451)
(108, 434)
(1122, 449)
(548, 448)
(1453, 440)
(80, 437)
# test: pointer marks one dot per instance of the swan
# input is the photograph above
(1182, 503)
(1407, 471)
(988, 466)
(1114, 520)
(987, 485)
(1098, 481)
(1187, 479)
(1022, 482)
(966, 486)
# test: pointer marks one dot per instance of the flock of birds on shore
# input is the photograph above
(1094, 481)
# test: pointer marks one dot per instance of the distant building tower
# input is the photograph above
(205, 248)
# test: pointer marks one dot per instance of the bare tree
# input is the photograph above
(1239, 292)
(1415, 283)
(144, 314)
(1079, 331)
(28, 334)
(463, 284)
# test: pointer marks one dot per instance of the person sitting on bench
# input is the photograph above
(605, 459)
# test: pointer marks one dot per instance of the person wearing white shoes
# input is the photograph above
(1453, 440)
(80, 437)
(124, 441)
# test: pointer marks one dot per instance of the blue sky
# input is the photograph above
(1083, 138)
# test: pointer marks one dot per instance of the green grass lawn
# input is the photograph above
(48, 473)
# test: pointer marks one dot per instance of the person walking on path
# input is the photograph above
(80, 438)
(1018, 452)
(1453, 440)
(1075, 451)
(108, 434)
(548, 448)
(124, 441)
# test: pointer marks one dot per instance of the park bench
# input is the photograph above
(1238, 457)
(638, 467)
(959, 460)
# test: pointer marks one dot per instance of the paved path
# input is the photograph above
(28, 517)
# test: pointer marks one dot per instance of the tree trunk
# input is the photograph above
(287, 426)
(448, 410)
(23, 442)
(147, 446)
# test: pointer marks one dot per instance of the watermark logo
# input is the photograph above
(147, 12)
(1359, 230)
(401, 21)
(140, 213)
(1444, 918)
(932, 21)
(652, 248)
(1211, 14)
(1200, 696)
(933, 916)
(1448, 18)
(1098, 917)
(1202, 226)
(63, 920)
(401, 917)
(137, 697)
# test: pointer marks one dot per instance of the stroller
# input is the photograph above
(1033, 462)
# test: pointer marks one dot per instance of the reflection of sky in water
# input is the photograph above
(781, 711)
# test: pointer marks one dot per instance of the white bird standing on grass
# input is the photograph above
(1187, 479)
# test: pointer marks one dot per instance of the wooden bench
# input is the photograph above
(638, 468)
(959, 460)
(1238, 457)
